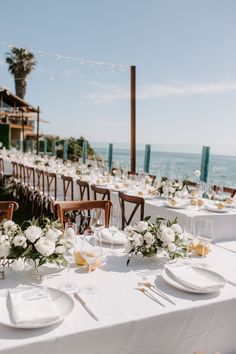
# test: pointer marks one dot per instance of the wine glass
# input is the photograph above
(70, 238)
(204, 233)
(189, 232)
(113, 224)
(91, 251)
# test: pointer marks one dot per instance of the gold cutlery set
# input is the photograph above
(149, 290)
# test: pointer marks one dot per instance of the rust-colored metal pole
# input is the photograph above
(133, 119)
(37, 138)
(23, 130)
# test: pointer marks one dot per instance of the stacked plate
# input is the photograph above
(193, 279)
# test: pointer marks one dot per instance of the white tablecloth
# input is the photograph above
(129, 322)
(224, 223)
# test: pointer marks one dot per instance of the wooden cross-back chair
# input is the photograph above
(63, 208)
(39, 193)
(229, 190)
(104, 193)
(51, 185)
(84, 192)
(50, 193)
(68, 187)
(138, 202)
(29, 187)
(6, 209)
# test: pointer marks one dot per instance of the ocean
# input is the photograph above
(222, 169)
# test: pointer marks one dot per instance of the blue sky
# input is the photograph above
(184, 51)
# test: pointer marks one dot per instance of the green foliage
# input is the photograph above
(74, 149)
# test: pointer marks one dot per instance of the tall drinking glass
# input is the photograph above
(70, 238)
(113, 224)
(205, 232)
(91, 251)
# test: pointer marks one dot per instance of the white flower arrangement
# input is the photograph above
(37, 241)
(167, 187)
(148, 238)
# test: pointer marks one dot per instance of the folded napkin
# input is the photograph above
(194, 278)
(118, 239)
(32, 306)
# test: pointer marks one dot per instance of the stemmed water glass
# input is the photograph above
(204, 233)
(70, 238)
(91, 251)
(113, 224)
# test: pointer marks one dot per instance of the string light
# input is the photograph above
(98, 66)
(68, 58)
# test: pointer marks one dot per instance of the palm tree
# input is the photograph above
(21, 62)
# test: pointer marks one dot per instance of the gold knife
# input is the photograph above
(83, 303)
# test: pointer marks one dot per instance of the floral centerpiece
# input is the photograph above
(148, 238)
(37, 241)
(167, 188)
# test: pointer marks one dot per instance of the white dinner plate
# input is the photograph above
(214, 209)
(63, 303)
(210, 273)
(176, 206)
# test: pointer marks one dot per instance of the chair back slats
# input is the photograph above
(65, 207)
(22, 175)
(6, 209)
(84, 192)
(68, 183)
(30, 177)
(40, 185)
(138, 203)
(51, 180)
(103, 192)
(15, 170)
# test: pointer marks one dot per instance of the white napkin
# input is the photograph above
(118, 239)
(194, 278)
(32, 306)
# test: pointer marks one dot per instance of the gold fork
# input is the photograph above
(157, 291)
(145, 292)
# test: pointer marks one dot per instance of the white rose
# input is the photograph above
(176, 228)
(32, 233)
(8, 224)
(20, 241)
(51, 235)
(137, 240)
(60, 249)
(128, 246)
(168, 235)
(171, 190)
(45, 246)
(128, 229)
(149, 238)
(141, 226)
(171, 247)
(18, 265)
(4, 250)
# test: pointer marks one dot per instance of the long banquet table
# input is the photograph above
(224, 223)
(129, 322)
